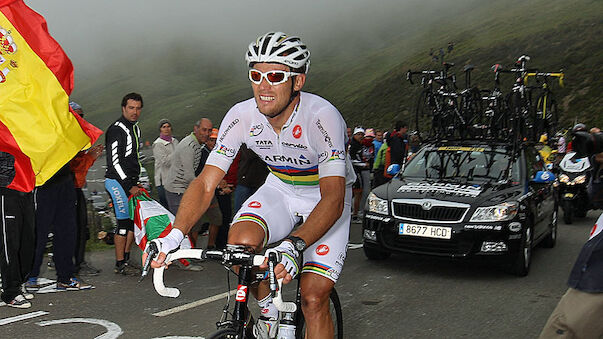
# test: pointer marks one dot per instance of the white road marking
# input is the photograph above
(354, 246)
(22, 317)
(194, 304)
(113, 330)
(179, 337)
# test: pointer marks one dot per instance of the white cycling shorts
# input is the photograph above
(277, 208)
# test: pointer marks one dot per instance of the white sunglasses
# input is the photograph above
(272, 77)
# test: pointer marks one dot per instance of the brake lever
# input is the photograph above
(152, 252)
(272, 259)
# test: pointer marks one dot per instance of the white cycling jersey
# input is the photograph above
(310, 146)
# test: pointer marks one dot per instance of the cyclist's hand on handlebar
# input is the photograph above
(166, 245)
(288, 266)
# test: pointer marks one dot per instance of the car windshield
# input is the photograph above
(460, 163)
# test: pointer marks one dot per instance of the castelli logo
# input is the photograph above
(297, 131)
(322, 249)
(241, 293)
(255, 204)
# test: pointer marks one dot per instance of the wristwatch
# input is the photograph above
(299, 243)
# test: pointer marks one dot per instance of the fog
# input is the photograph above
(95, 33)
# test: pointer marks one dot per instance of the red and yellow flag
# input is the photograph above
(36, 78)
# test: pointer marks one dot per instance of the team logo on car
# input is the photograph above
(427, 205)
(241, 293)
(322, 249)
(255, 204)
(297, 131)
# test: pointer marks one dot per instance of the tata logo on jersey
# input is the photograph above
(281, 158)
(241, 293)
(263, 144)
(256, 130)
(255, 204)
(322, 249)
(226, 151)
(297, 131)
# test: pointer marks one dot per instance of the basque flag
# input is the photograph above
(37, 125)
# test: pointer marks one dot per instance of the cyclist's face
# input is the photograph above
(132, 110)
(272, 100)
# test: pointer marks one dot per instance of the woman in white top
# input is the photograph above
(163, 148)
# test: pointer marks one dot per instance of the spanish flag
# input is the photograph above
(37, 125)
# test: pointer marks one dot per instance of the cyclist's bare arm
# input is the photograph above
(195, 202)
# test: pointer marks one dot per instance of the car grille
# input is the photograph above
(436, 213)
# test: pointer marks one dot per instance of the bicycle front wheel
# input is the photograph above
(225, 333)
(336, 317)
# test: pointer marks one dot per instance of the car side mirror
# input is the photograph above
(542, 177)
(393, 169)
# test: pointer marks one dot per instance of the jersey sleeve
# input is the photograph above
(328, 139)
(230, 138)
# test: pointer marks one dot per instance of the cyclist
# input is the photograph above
(301, 137)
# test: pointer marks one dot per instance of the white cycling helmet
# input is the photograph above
(278, 47)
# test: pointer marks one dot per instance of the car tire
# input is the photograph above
(373, 253)
(551, 239)
(568, 211)
(522, 260)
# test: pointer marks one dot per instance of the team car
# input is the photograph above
(465, 199)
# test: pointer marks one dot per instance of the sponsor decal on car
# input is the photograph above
(241, 293)
(322, 249)
(461, 148)
(297, 131)
(377, 217)
(483, 227)
(255, 204)
(439, 187)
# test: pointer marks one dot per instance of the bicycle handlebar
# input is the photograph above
(226, 258)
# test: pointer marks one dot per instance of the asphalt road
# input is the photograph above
(402, 297)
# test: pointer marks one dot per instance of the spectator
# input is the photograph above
(163, 149)
(188, 162)
(379, 166)
(17, 239)
(80, 165)
(361, 167)
(398, 143)
(368, 155)
(414, 142)
(349, 136)
(55, 209)
(122, 141)
(251, 175)
(378, 142)
(223, 195)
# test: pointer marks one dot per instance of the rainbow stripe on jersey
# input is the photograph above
(296, 176)
(256, 219)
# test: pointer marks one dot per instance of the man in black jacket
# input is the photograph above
(122, 141)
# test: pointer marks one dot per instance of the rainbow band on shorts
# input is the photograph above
(256, 219)
(313, 266)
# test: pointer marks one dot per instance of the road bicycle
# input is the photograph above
(546, 106)
(239, 323)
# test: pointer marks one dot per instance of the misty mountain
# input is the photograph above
(359, 60)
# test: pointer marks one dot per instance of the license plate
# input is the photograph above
(425, 231)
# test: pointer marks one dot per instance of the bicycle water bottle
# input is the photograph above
(286, 327)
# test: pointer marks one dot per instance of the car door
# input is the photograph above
(542, 193)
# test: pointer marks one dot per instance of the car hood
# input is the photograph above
(471, 193)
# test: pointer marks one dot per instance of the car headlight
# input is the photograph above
(579, 180)
(376, 205)
(564, 178)
(501, 212)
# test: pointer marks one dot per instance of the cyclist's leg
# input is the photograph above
(323, 262)
(315, 292)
